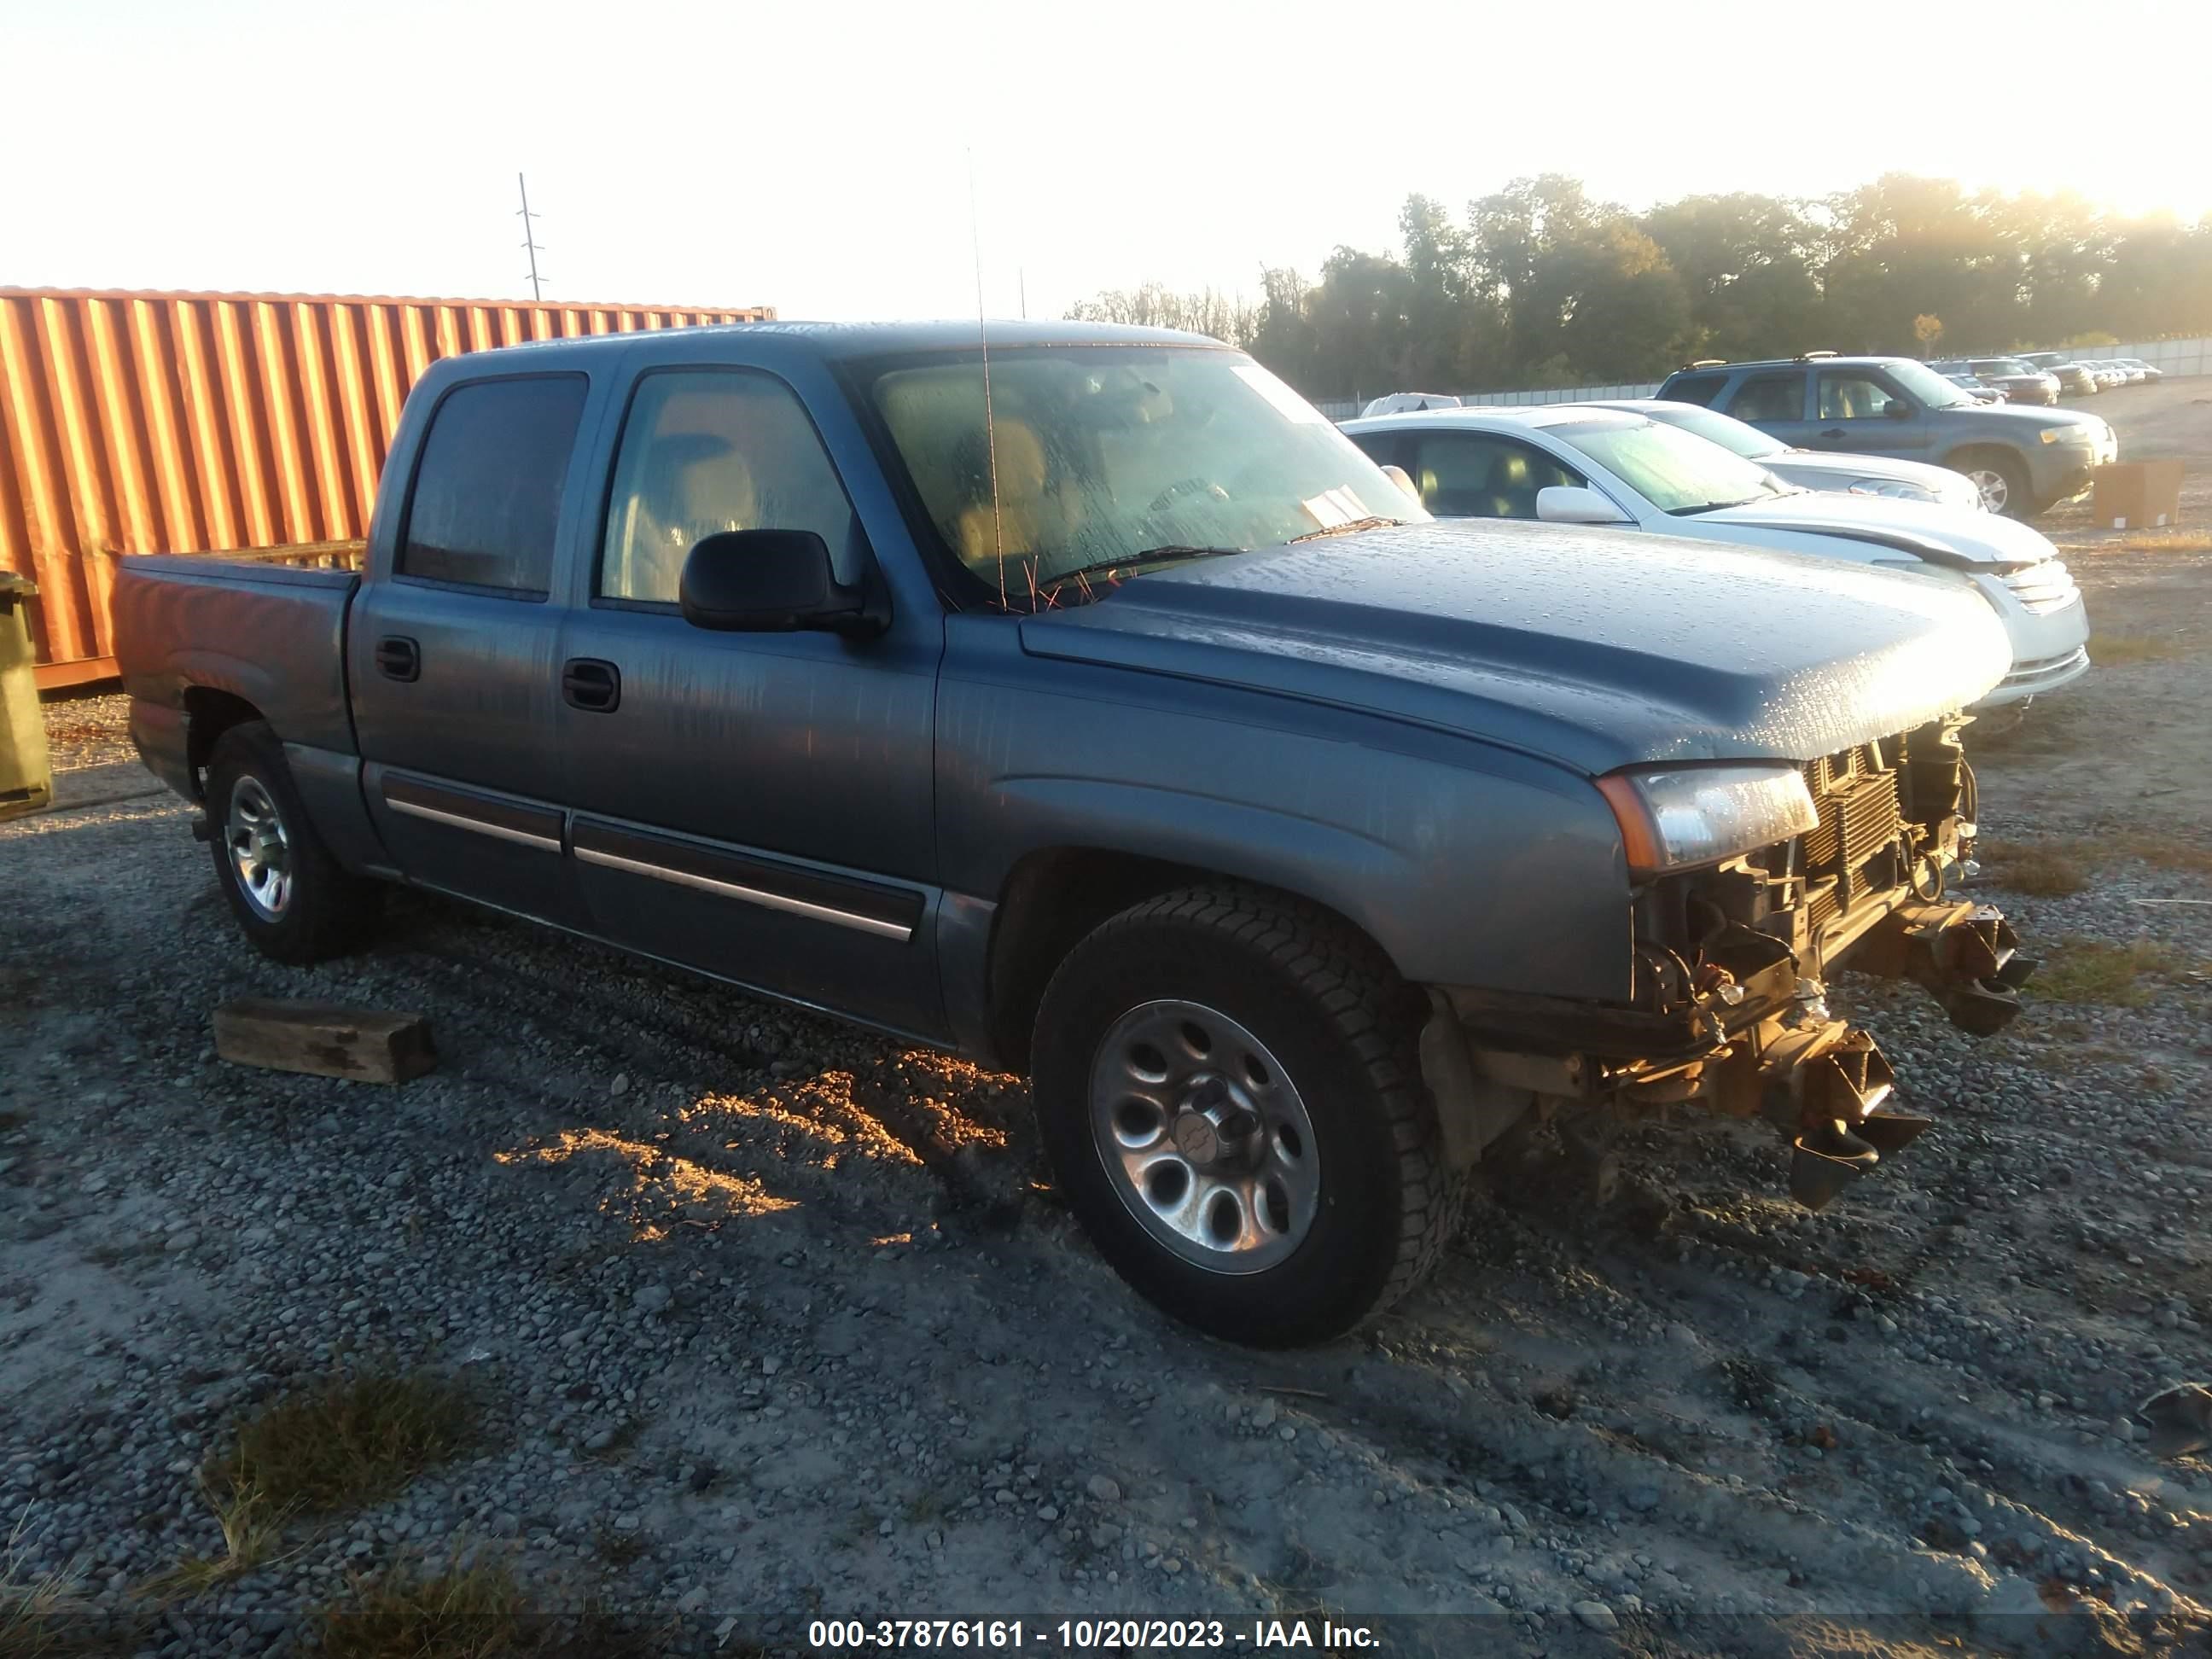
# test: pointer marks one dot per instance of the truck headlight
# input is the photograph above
(1674, 818)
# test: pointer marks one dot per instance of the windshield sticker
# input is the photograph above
(1286, 402)
(1335, 508)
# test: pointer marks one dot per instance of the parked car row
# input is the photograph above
(1119, 720)
(2081, 376)
(2041, 377)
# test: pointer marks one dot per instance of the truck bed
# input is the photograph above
(269, 632)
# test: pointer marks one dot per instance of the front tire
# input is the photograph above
(291, 897)
(1228, 1086)
(2001, 480)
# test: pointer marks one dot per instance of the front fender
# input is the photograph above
(1468, 865)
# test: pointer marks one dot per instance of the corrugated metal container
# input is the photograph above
(201, 423)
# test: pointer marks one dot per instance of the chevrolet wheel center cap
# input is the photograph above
(1194, 1135)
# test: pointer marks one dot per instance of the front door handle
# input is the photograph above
(1832, 432)
(399, 658)
(592, 685)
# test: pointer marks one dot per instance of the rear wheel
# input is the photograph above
(1229, 1088)
(2001, 480)
(292, 898)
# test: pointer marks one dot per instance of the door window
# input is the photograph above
(487, 495)
(1848, 396)
(708, 450)
(1476, 475)
(1770, 397)
(1699, 389)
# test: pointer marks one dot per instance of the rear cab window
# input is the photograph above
(485, 503)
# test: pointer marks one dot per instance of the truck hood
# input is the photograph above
(1942, 535)
(1594, 648)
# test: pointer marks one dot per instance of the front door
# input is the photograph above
(1862, 412)
(758, 805)
(450, 654)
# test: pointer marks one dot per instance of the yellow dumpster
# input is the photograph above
(26, 780)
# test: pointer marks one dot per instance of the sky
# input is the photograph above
(819, 158)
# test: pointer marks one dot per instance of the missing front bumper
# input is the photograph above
(1742, 1048)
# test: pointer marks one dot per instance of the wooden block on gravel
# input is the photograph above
(369, 1045)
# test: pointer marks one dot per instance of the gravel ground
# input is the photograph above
(774, 1320)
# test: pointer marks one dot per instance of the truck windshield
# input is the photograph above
(1676, 472)
(1086, 456)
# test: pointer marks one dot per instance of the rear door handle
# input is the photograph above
(592, 685)
(1832, 432)
(399, 658)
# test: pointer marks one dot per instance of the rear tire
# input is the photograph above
(292, 898)
(2001, 480)
(1228, 1086)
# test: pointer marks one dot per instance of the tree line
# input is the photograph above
(1540, 284)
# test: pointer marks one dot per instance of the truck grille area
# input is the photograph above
(1848, 854)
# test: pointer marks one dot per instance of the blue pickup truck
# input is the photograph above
(1093, 707)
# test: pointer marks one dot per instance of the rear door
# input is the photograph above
(758, 805)
(1775, 400)
(452, 652)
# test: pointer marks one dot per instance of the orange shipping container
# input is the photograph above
(212, 422)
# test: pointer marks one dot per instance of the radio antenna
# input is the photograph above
(990, 422)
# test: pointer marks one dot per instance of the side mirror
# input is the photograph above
(1576, 504)
(770, 581)
(1898, 409)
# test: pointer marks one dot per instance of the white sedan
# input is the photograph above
(1572, 464)
(1809, 469)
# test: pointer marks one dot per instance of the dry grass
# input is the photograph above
(2125, 650)
(458, 1612)
(41, 1617)
(2046, 871)
(2158, 541)
(2052, 869)
(251, 1527)
(346, 1441)
(477, 1611)
(2086, 971)
(2166, 851)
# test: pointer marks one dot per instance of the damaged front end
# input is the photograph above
(1729, 1009)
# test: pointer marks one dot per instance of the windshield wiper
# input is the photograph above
(1356, 526)
(1716, 506)
(1150, 555)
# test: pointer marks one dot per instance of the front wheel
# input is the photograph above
(1229, 1088)
(2001, 480)
(291, 897)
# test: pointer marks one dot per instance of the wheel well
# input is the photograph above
(1055, 898)
(1965, 454)
(208, 715)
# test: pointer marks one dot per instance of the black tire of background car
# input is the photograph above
(1347, 1029)
(331, 911)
